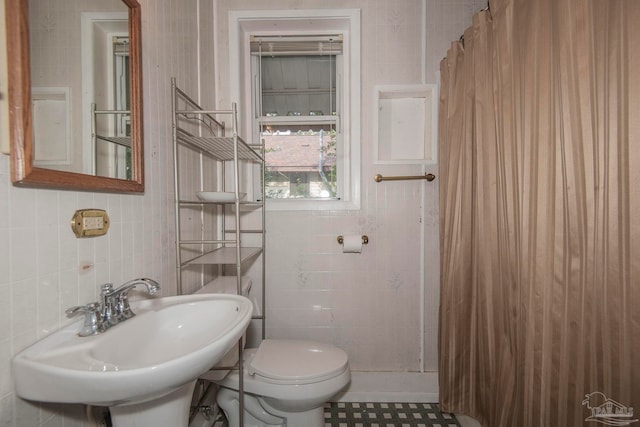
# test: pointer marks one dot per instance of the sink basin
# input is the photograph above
(168, 344)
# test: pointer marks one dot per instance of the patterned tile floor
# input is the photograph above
(386, 415)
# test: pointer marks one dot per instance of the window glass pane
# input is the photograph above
(301, 161)
(298, 85)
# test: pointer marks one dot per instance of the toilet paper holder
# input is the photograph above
(365, 239)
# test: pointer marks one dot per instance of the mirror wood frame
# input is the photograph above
(23, 172)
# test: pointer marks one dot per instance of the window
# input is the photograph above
(298, 111)
(304, 95)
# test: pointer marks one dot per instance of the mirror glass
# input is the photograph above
(83, 129)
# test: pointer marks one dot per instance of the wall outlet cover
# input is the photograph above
(90, 223)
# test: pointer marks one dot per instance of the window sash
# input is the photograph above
(304, 47)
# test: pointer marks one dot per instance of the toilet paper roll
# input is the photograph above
(352, 244)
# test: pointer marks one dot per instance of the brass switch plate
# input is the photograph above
(90, 223)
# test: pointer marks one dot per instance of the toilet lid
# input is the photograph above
(297, 361)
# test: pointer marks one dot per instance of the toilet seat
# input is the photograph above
(296, 362)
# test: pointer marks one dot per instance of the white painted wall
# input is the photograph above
(366, 303)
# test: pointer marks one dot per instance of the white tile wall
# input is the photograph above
(368, 303)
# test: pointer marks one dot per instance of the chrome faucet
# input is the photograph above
(113, 309)
(115, 302)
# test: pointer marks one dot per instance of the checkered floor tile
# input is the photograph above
(347, 414)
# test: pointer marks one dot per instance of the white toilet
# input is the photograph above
(286, 383)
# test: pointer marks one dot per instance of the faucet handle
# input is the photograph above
(123, 308)
(92, 318)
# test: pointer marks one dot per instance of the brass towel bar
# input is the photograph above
(427, 176)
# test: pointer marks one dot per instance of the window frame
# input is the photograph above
(244, 24)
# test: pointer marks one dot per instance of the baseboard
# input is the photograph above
(391, 387)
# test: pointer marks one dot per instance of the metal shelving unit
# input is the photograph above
(204, 133)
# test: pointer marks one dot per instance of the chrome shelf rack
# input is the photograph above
(204, 134)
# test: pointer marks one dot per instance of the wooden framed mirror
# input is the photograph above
(75, 135)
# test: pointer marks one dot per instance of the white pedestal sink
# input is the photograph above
(145, 368)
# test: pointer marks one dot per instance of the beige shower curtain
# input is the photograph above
(540, 215)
